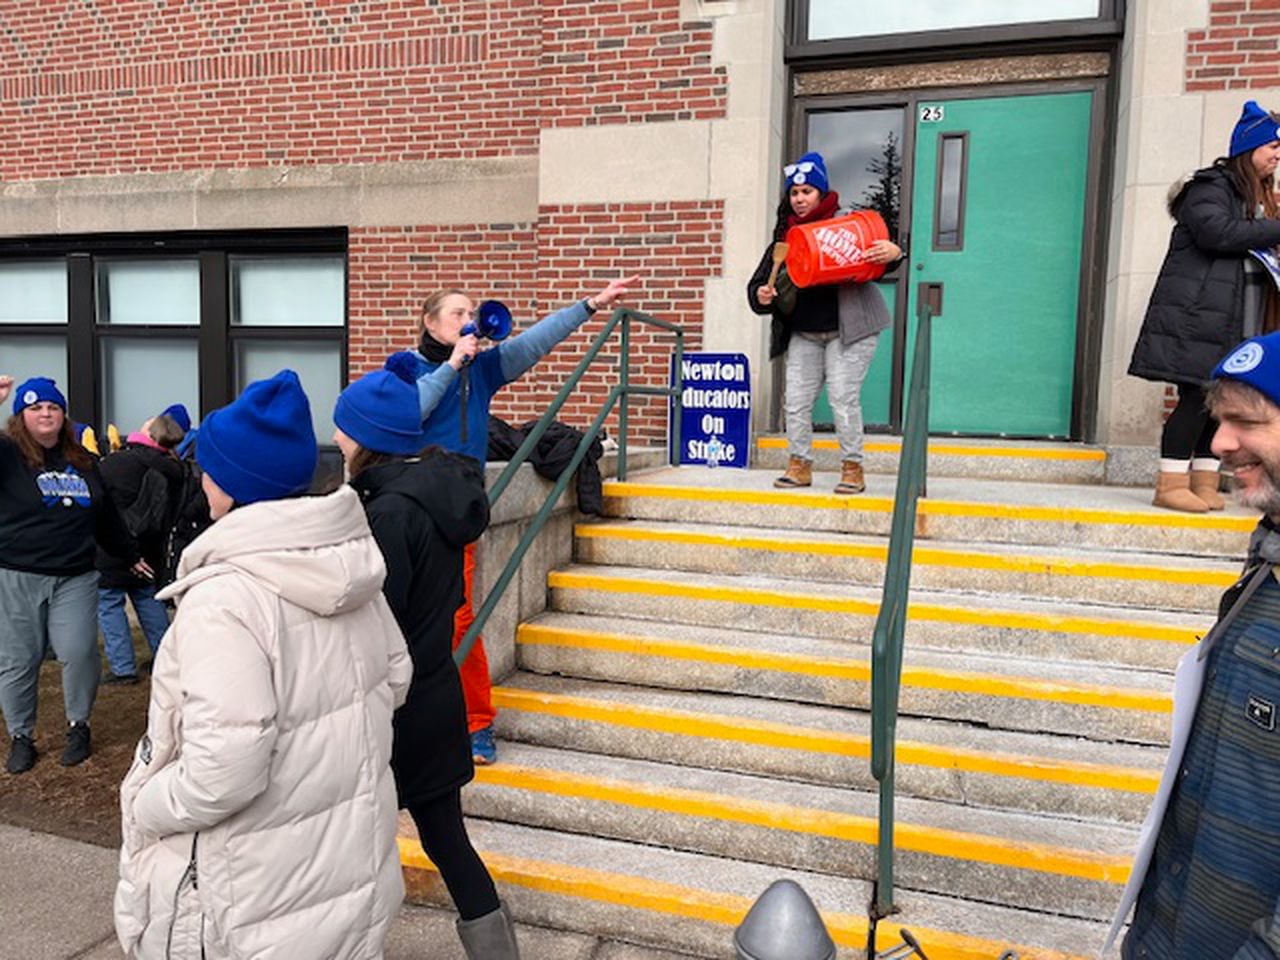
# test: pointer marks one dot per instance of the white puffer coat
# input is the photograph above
(259, 816)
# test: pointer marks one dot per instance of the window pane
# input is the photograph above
(33, 292)
(142, 377)
(288, 291)
(829, 19)
(318, 366)
(950, 197)
(863, 150)
(163, 292)
(26, 357)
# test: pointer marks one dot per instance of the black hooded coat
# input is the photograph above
(1195, 315)
(423, 511)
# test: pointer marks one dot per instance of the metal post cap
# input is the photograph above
(783, 924)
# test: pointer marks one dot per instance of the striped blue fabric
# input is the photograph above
(1214, 882)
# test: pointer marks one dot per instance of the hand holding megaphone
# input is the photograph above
(492, 321)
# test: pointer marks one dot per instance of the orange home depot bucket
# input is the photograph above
(830, 251)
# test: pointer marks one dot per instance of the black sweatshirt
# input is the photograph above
(50, 516)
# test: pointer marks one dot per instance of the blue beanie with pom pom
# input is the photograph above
(380, 410)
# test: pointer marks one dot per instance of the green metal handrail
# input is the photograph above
(622, 391)
(886, 643)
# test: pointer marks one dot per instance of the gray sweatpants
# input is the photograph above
(813, 358)
(39, 612)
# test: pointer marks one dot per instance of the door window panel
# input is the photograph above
(863, 151)
(318, 365)
(149, 293)
(33, 292)
(832, 19)
(140, 377)
(288, 292)
(948, 222)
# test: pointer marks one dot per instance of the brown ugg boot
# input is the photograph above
(799, 474)
(1204, 484)
(1173, 492)
(851, 479)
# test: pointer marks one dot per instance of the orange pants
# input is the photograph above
(474, 671)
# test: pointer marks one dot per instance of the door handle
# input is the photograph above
(930, 294)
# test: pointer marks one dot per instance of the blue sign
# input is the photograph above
(715, 417)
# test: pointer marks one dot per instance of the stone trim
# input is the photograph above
(914, 76)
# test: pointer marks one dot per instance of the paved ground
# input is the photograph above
(55, 904)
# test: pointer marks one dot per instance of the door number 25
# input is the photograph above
(931, 112)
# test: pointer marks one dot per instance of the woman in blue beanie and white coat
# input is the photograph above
(259, 816)
(456, 382)
(425, 506)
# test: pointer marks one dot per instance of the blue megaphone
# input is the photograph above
(492, 322)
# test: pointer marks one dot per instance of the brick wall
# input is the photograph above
(1239, 49)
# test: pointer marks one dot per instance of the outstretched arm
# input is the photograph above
(521, 352)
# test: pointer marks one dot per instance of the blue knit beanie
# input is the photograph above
(810, 169)
(1254, 129)
(262, 445)
(1255, 362)
(37, 390)
(178, 413)
(380, 410)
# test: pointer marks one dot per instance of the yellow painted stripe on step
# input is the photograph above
(928, 556)
(711, 726)
(935, 508)
(935, 841)
(795, 600)
(952, 449)
(723, 909)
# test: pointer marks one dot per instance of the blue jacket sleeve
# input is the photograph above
(432, 386)
(521, 352)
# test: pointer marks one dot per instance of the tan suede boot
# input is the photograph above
(799, 474)
(1173, 492)
(851, 479)
(1204, 484)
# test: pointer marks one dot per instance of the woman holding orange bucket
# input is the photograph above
(829, 332)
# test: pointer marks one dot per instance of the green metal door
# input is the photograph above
(997, 224)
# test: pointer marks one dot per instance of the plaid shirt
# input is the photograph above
(1212, 891)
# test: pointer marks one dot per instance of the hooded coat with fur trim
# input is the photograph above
(1195, 315)
(259, 815)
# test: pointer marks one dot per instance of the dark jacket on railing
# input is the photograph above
(423, 512)
(552, 455)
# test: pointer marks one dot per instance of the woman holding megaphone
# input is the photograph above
(456, 382)
(829, 332)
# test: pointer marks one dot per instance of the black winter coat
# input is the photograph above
(144, 483)
(552, 455)
(1195, 315)
(423, 512)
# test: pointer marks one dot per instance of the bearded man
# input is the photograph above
(1206, 880)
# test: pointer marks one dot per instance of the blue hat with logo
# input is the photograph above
(178, 414)
(37, 390)
(1254, 129)
(810, 169)
(1255, 362)
(380, 410)
(262, 445)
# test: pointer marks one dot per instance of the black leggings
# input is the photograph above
(1189, 430)
(444, 838)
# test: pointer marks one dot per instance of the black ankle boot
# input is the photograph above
(22, 755)
(78, 746)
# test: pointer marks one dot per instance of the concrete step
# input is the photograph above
(977, 623)
(1148, 580)
(1070, 867)
(690, 903)
(936, 759)
(965, 510)
(1040, 462)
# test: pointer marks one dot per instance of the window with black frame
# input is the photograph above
(129, 325)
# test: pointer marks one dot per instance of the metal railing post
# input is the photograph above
(624, 381)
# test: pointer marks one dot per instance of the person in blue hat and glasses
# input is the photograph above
(1212, 292)
(53, 509)
(1205, 884)
(259, 816)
